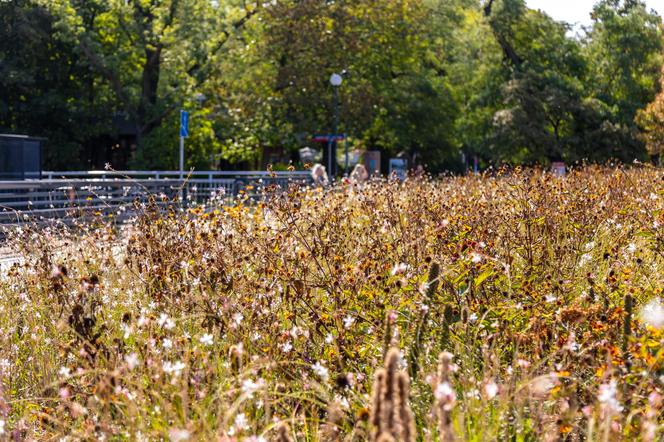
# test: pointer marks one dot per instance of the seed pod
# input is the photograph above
(627, 326)
(376, 401)
(235, 355)
(283, 433)
(445, 398)
(406, 418)
(391, 416)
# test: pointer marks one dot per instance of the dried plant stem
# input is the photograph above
(445, 398)
(391, 416)
(432, 286)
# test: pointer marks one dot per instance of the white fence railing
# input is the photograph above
(37, 200)
(161, 174)
(199, 185)
(60, 194)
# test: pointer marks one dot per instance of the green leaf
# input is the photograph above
(483, 276)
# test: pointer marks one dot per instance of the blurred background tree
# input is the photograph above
(651, 121)
(435, 80)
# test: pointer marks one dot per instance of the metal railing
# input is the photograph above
(71, 194)
(36, 200)
(199, 186)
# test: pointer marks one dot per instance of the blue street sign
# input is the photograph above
(184, 123)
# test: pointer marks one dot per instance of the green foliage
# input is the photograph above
(569, 99)
(541, 94)
(624, 57)
(623, 50)
(428, 78)
(44, 90)
(651, 122)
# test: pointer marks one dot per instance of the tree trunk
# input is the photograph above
(508, 50)
(145, 121)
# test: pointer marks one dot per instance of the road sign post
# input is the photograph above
(184, 133)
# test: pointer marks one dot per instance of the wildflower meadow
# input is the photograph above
(514, 306)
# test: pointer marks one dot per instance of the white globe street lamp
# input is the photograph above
(336, 80)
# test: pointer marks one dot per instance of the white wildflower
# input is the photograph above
(607, 397)
(207, 339)
(237, 319)
(249, 387)
(491, 390)
(174, 368)
(127, 331)
(446, 395)
(473, 393)
(131, 360)
(522, 363)
(652, 314)
(165, 322)
(178, 435)
(348, 321)
(142, 321)
(241, 422)
(398, 269)
(321, 371)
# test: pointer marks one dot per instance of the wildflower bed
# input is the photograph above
(518, 306)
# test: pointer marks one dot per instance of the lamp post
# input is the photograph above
(335, 81)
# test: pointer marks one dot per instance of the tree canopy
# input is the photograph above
(436, 80)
